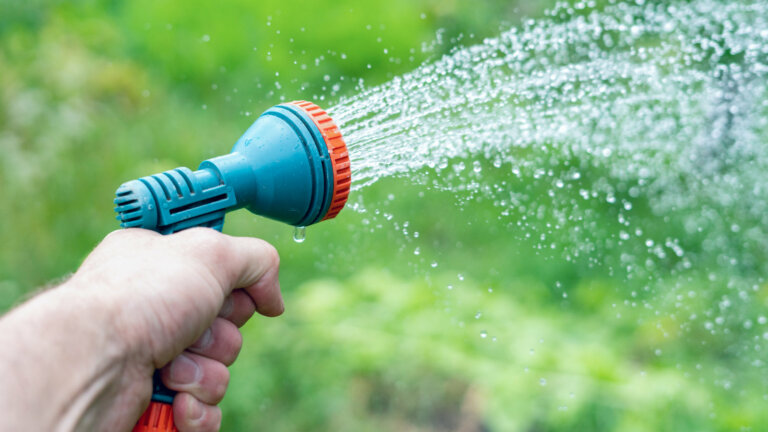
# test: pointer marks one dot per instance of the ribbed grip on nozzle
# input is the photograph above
(337, 149)
(157, 418)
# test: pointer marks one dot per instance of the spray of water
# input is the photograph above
(667, 102)
(656, 108)
(640, 85)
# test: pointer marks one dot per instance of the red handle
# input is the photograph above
(157, 418)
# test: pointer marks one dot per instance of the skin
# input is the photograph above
(80, 357)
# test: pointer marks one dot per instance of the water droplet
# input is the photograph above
(299, 234)
(483, 334)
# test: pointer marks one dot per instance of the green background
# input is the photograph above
(477, 332)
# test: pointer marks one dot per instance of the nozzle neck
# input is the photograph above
(233, 170)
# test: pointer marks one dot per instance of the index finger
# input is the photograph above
(239, 262)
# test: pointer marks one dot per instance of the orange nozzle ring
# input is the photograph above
(158, 417)
(337, 149)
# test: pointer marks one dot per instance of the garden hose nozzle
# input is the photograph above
(291, 165)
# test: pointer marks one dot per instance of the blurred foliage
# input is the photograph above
(479, 331)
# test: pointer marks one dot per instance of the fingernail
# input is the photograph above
(184, 370)
(195, 410)
(204, 341)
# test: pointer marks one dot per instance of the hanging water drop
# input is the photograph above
(299, 234)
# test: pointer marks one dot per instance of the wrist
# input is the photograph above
(59, 358)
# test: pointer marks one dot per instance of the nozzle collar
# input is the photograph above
(337, 151)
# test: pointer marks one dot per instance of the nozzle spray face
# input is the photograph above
(291, 165)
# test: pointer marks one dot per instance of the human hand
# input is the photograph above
(140, 301)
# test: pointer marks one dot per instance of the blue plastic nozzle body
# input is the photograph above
(285, 167)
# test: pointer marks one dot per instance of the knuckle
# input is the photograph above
(212, 242)
(211, 421)
(203, 236)
(220, 387)
(216, 419)
(231, 341)
(238, 338)
(204, 418)
(118, 236)
(271, 255)
(237, 344)
(128, 233)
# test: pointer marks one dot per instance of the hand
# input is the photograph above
(81, 356)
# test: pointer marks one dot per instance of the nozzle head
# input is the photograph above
(337, 151)
(299, 162)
